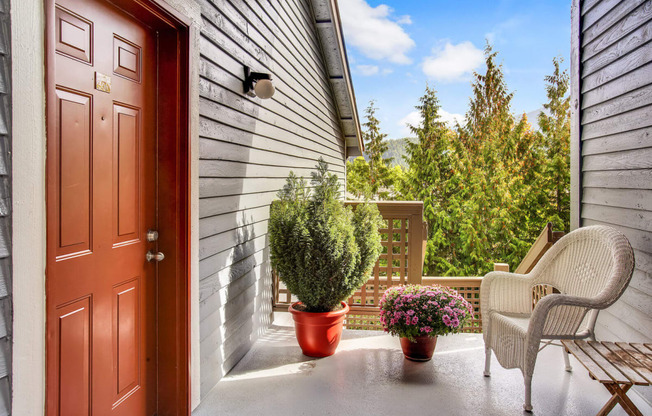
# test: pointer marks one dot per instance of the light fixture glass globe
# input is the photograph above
(264, 88)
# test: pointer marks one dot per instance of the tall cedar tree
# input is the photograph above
(555, 129)
(432, 178)
(478, 184)
(496, 151)
(375, 147)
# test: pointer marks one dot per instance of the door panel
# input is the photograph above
(126, 59)
(126, 327)
(74, 172)
(126, 192)
(74, 353)
(101, 322)
(73, 35)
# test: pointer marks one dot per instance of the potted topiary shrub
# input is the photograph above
(323, 252)
(417, 314)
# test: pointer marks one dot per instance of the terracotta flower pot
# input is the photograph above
(318, 333)
(421, 350)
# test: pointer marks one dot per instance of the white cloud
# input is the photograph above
(452, 63)
(370, 30)
(387, 71)
(451, 118)
(500, 31)
(414, 119)
(367, 70)
(404, 20)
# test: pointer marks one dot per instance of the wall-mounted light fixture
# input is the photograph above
(258, 84)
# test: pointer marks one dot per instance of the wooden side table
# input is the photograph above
(618, 366)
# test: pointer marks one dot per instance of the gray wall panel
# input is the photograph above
(247, 147)
(5, 210)
(616, 85)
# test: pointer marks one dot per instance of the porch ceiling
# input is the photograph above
(369, 376)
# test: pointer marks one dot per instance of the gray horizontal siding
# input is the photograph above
(5, 210)
(248, 147)
(616, 147)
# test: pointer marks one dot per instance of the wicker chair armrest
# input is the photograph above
(559, 315)
(557, 299)
(555, 315)
(506, 292)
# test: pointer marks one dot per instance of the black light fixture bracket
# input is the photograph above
(251, 78)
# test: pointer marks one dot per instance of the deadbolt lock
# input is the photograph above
(152, 235)
(150, 256)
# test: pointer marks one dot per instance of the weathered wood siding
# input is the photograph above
(247, 147)
(616, 146)
(5, 209)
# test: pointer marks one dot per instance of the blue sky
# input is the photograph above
(396, 46)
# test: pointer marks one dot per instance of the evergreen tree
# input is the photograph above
(488, 186)
(375, 147)
(357, 179)
(555, 129)
(491, 139)
(358, 185)
(488, 120)
(494, 167)
(432, 178)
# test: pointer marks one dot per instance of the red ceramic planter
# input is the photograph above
(421, 350)
(318, 333)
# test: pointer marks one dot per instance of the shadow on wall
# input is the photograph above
(235, 303)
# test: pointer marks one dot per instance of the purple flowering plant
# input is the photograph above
(413, 311)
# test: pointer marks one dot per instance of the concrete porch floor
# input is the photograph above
(369, 376)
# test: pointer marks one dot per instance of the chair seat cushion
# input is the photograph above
(507, 338)
(519, 320)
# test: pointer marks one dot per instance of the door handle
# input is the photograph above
(158, 256)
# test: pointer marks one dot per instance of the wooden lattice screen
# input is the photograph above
(403, 238)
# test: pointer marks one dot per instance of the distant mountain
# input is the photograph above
(396, 150)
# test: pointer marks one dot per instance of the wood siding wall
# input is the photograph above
(247, 148)
(5, 210)
(616, 146)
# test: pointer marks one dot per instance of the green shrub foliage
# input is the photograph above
(322, 250)
(490, 184)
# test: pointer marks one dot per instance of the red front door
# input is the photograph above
(101, 201)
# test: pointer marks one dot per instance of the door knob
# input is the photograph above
(158, 256)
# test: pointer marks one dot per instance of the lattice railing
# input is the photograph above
(403, 238)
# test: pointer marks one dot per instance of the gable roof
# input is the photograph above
(328, 24)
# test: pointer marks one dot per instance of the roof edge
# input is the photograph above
(326, 13)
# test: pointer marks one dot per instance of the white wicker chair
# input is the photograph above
(590, 267)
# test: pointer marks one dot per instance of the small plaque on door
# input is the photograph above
(102, 82)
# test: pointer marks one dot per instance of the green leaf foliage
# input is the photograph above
(372, 177)
(358, 176)
(555, 129)
(322, 250)
(359, 185)
(489, 186)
